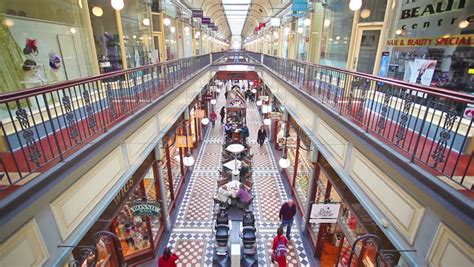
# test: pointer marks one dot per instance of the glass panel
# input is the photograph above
(171, 45)
(106, 37)
(368, 51)
(137, 33)
(304, 173)
(337, 27)
(372, 11)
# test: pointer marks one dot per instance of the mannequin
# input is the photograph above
(31, 77)
(55, 64)
(31, 50)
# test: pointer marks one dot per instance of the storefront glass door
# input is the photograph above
(368, 46)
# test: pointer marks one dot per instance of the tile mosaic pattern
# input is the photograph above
(192, 236)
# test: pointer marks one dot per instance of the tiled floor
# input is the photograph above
(192, 236)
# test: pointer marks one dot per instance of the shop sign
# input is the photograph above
(140, 208)
(205, 20)
(181, 141)
(198, 13)
(324, 213)
(453, 40)
(299, 5)
(469, 113)
(199, 114)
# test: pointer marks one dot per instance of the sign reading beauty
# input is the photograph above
(454, 40)
(145, 209)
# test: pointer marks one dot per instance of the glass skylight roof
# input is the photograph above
(236, 12)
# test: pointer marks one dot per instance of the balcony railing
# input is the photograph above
(424, 124)
(42, 126)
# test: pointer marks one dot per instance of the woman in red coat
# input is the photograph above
(280, 244)
(168, 259)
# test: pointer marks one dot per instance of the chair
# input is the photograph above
(222, 182)
(248, 183)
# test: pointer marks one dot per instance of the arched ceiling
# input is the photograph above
(232, 16)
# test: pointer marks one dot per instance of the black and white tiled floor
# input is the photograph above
(192, 236)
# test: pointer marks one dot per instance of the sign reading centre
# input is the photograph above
(324, 213)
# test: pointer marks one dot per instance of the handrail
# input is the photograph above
(42, 126)
(459, 96)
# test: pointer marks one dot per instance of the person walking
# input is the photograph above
(245, 132)
(213, 118)
(261, 135)
(280, 243)
(287, 215)
(222, 114)
(168, 259)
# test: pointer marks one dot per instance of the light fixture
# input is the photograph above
(205, 121)
(327, 22)
(172, 29)
(254, 91)
(338, 37)
(259, 102)
(166, 21)
(8, 22)
(97, 11)
(365, 13)
(188, 161)
(284, 162)
(146, 21)
(218, 90)
(134, 37)
(307, 22)
(117, 4)
(300, 30)
(251, 83)
(355, 5)
(73, 30)
(286, 30)
(213, 101)
(463, 24)
(398, 32)
(275, 34)
(186, 29)
(267, 122)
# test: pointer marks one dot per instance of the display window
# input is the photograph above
(41, 48)
(106, 35)
(434, 46)
(137, 33)
(337, 31)
(171, 40)
(302, 39)
(285, 41)
(188, 40)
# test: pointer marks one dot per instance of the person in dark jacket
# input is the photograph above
(287, 215)
(222, 114)
(245, 132)
(261, 136)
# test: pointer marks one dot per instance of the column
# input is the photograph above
(159, 184)
(316, 31)
(313, 188)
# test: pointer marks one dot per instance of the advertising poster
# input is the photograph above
(421, 71)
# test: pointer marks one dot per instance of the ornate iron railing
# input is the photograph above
(44, 125)
(424, 124)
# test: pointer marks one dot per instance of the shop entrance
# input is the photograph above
(366, 47)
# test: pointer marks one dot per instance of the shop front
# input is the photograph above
(134, 218)
(431, 44)
(351, 227)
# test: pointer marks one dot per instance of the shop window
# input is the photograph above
(43, 42)
(133, 231)
(106, 37)
(372, 11)
(337, 27)
(137, 33)
(433, 46)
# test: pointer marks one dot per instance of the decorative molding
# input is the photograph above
(25, 247)
(333, 141)
(404, 212)
(141, 138)
(72, 206)
(448, 249)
